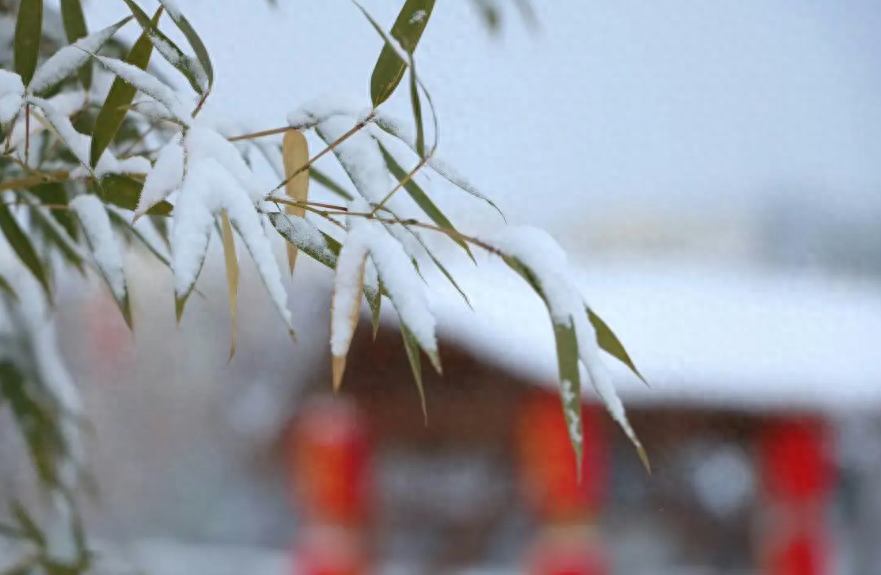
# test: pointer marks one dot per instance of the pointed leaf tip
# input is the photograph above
(338, 368)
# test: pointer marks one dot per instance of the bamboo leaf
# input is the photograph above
(407, 31)
(374, 300)
(75, 28)
(27, 524)
(570, 386)
(124, 191)
(7, 288)
(130, 230)
(295, 153)
(412, 348)
(610, 343)
(54, 231)
(416, 104)
(191, 69)
(193, 38)
(415, 191)
(21, 244)
(232, 276)
(120, 98)
(28, 35)
(309, 239)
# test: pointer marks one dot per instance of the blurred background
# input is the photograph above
(712, 169)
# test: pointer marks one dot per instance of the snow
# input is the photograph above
(207, 189)
(417, 16)
(172, 8)
(359, 156)
(76, 142)
(320, 109)
(11, 94)
(99, 233)
(150, 85)
(304, 235)
(164, 177)
(180, 60)
(735, 339)
(69, 59)
(202, 142)
(348, 284)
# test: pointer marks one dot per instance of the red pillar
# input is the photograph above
(329, 458)
(567, 542)
(797, 479)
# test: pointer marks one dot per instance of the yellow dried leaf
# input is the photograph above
(232, 276)
(295, 152)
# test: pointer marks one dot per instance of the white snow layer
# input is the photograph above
(149, 85)
(359, 156)
(403, 284)
(320, 109)
(99, 233)
(11, 95)
(69, 59)
(202, 142)
(348, 283)
(207, 189)
(304, 235)
(165, 176)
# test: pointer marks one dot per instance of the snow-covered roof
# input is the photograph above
(739, 339)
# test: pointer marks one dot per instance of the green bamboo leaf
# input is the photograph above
(54, 194)
(28, 35)
(75, 28)
(422, 200)
(329, 183)
(21, 244)
(412, 348)
(309, 239)
(26, 523)
(120, 98)
(9, 532)
(191, 69)
(407, 30)
(7, 288)
(124, 192)
(610, 343)
(570, 386)
(195, 42)
(416, 103)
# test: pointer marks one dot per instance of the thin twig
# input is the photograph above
(201, 103)
(261, 134)
(32, 181)
(125, 153)
(27, 132)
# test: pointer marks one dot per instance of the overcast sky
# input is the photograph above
(613, 101)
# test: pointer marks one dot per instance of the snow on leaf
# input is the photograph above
(190, 232)
(99, 235)
(69, 59)
(400, 280)
(149, 85)
(76, 142)
(165, 176)
(308, 238)
(359, 156)
(315, 111)
(541, 261)
(11, 95)
(348, 284)
(202, 142)
(207, 189)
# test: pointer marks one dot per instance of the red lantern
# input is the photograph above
(797, 477)
(329, 461)
(547, 461)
